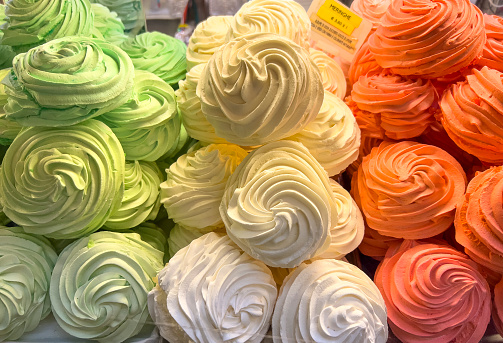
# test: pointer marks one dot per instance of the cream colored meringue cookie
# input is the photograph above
(333, 137)
(100, 284)
(26, 263)
(286, 18)
(260, 88)
(180, 237)
(189, 107)
(332, 75)
(279, 206)
(211, 291)
(208, 36)
(195, 185)
(329, 301)
(141, 199)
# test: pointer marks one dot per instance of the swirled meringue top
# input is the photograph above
(403, 107)
(333, 137)
(208, 36)
(472, 114)
(479, 220)
(363, 63)
(148, 125)
(410, 190)
(181, 236)
(211, 291)
(100, 284)
(492, 56)
(286, 18)
(195, 185)
(63, 182)
(372, 10)
(67, 81)
(189, 106)
(26, 263)
(428, 38)
(260, 88)
(129, 11)
(107, 25)
(160, 54)
(329, 301)
(141, 199)
(332, 75)
(32, 23)
(434, 293)
(279, 206)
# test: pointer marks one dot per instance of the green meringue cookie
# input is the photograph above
(153, 235)
(26, 264)
(141, 199)
(148, 125)
(8, 128)
(63, 182)
(6, 52)
(100, 284)
(67, 81)
(181, 236)
(34, 22)
(129, 11)
(107, 25)
(160, 54)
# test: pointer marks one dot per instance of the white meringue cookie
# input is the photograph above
(332, 75)
(333, 137)
(286, 18)
(260, 88)
(329, 301)
(208, 36)
(278, 205)
(211, 291)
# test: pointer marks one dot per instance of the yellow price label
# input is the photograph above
(339, 16)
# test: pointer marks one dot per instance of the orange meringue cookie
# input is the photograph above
(497, 309)
(472, 114)
(363, 63)
(428, 38)
(492, 56)
(403, 107)
(372, 10)
(433, 293)
(368, 122)
(479, 219)
(409, 190)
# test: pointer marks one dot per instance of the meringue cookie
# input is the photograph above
(195, 185)
(62, 182)
(67, 81)
(32, 23)
(180, 237)
(332, 75)
(372, 10)
(363, 63)
(409, 190)
(153, 235)
(8, 128)
(129, 11)
(189, 106)
(100, 284)
(333, 137)
(279, 206)
(6, 52)
(208, 36)
(479, 219)
(107, 25)
(160, 54)
(492, 56)
(428, 38)
(260, 88)
(286, 18)
(148, 125)
(497, 310)
(403, 107)
(472, 114)
(26, 263)
(329, 301)
(366, 144)
(433, 293)
(210, 291)
(141, 199)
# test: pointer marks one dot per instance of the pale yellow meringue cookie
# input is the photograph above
(195, 185)
(260, 88)
(211, 291)
(329, 301)
(279, 206)
(332, 75)
(189, 107)
(208, 36)
(333, 137)
(286, 18)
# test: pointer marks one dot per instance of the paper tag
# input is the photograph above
(336, 29)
